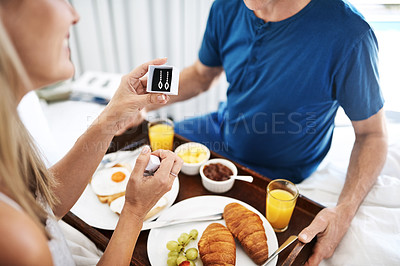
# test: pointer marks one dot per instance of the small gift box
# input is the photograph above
(163, 79)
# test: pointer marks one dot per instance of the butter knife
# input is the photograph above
(158, 224)
(287, 243)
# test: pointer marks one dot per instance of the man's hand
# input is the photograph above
(330, 225)
(366, 162)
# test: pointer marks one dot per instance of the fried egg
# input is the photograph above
(110, 181)
(117, 205)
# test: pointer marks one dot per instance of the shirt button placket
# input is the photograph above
(257, 43)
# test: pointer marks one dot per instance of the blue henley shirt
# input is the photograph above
(287, 80)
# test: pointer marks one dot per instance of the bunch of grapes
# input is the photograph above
(177, 254)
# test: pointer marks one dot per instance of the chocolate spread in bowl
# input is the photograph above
(217, 172)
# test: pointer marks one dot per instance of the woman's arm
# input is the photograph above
(74, 171)
(142, 194)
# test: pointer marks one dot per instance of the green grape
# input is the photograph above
(192, 253)
(177, 247)
(180, 259)
(173, 254)
(171, 261)
(194, 233)
(172, 245)
(183, 238)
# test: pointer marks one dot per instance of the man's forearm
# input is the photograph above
(366, 162)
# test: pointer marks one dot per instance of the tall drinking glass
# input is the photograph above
(161, 134)
(281, 200)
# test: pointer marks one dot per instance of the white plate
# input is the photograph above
(198, 206)
(90, 210)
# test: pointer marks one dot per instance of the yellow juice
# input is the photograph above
(280, 205)
(161, 137)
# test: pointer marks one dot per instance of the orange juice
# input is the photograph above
(161, 137)
(280, 205)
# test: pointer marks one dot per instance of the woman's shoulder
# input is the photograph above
(21, 240)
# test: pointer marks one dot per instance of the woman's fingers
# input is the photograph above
(163, 154)
(141, 162)
(145, 192)
(166, 165)
(170, 162)
(134, 77)
(152, 98)
(141, 89)
(176, 168)
(141, 70)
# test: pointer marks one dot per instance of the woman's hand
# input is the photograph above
(135, 120)
(124, 109)
(143, 192)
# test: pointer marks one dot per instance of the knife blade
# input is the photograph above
(287, 243)
(158, 224)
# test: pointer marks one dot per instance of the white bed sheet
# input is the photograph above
(374, 235)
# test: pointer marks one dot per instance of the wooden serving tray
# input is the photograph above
(190, 186)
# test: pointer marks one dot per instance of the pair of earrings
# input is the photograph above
(160, 84)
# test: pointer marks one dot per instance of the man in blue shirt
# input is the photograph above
(290, 65)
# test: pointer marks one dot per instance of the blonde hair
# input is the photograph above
(23, 175)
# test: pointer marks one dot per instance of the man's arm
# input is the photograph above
(367, 159)
(193, 80)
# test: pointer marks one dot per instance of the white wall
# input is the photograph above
(118, 35)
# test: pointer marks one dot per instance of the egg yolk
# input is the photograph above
(118, 177)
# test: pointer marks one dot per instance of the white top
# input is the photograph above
(57, 245)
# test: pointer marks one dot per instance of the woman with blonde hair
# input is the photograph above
(34, 53)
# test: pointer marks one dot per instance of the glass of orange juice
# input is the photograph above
(281, 199)
(161, 134)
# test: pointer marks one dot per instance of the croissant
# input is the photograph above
(217, 246)
(248, 228)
